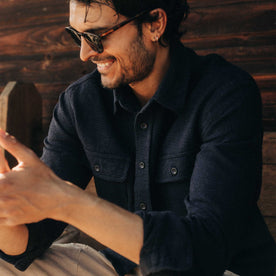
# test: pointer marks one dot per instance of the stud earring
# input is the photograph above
(156, 38)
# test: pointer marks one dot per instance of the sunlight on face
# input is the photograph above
(125, 58)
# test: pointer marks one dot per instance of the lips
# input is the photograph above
(104, 66)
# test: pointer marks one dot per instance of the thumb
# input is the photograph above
(18, 150)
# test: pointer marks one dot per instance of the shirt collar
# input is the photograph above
(172, 91)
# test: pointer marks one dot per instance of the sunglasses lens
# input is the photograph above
(74, 35)
(94, 42)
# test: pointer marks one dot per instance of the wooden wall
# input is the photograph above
(35, 48)
(243, 32)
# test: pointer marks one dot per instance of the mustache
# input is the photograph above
(101, 59)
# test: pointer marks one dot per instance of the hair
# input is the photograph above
(176, 10)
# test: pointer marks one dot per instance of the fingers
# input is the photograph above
(4, 167)
(18, 150)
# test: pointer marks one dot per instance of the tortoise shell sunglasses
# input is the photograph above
(95, 40)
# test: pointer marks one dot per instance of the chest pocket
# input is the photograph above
(172, 182)
(111, 175)
(109, 168)
(175, 168)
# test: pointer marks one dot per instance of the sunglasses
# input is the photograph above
(95, 40)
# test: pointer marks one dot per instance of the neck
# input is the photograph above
(145, 89)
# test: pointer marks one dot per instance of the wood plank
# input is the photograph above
(31, 12)
(218, 3)
(36, 40)
(48, 68)
(267, 82)
(242, 39)
(269, 150)
(20, 114)
(227, 19)
(267, 201)
(269, 124)
(253, 60)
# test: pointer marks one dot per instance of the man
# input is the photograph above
(173, 141)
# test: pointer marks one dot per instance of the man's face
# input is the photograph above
(126, 58)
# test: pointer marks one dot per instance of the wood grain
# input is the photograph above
(267, 200)
(230, 18)
(35, 48)
(269, 149)
(20, 114)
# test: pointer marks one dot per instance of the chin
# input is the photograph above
(110, 83)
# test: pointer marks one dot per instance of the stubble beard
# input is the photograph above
(140, 65)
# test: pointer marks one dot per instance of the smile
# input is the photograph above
(103, 67)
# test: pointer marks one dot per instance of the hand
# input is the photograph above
(30, 192)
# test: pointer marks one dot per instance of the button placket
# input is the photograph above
(142, 199)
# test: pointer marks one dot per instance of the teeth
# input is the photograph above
(104, 65)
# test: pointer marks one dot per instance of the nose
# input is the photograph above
(85, 51)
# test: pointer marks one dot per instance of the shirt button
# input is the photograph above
(97, 168)
(143, 206)
(143, 126)
(174, 171)
(141, 165)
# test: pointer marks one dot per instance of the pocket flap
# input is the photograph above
(109, 168)
(176, 168)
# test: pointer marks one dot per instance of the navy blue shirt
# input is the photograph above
(188, 162)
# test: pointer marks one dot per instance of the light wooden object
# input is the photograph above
(21, 114)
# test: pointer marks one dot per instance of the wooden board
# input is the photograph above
(20, 114)
(267, 202)
(35, 48)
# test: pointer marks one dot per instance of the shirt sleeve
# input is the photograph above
(224, 188)
(63, 154)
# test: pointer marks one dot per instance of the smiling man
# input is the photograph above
(173, 141)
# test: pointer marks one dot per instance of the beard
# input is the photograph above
(138, 66)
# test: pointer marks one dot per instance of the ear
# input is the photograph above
(157, 28)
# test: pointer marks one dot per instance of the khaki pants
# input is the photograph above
(70, 259)
(66, 258)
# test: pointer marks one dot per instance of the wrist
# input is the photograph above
(69, 203)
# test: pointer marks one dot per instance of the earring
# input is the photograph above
(156, 38)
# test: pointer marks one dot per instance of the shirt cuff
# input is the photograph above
(121, 264)
(41, 236)
(167, 243)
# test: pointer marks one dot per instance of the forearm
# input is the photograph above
(111, 225)
(53, 198)
(13, 239)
